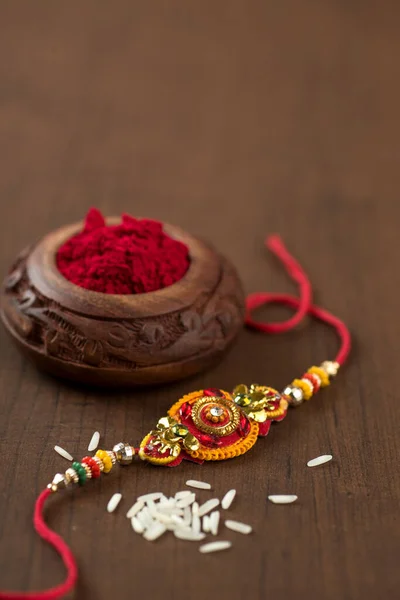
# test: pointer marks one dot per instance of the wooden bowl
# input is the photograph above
(122, 340)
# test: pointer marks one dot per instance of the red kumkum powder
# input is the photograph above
(134, 257)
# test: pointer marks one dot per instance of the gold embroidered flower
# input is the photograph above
(171, 435)
(255, 401)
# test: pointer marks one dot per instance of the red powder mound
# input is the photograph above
(131, 258)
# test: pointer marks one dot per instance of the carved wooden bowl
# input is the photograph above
(122, 340)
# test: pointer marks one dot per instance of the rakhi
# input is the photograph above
(210, 424)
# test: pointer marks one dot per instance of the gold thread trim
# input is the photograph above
(152, 459)
(191, 398)
(222, 430)
(240, 447)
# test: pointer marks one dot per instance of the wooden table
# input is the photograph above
(233, 120)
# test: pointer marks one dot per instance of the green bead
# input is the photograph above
(81, 471)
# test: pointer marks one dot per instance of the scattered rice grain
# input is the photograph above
(187, 501)
(184, 533)
(163, 518)
(206, 524)
(113, 502)
(208, 506)
(320, 460)
(177, 520)
(282, 498)
(155, 531)
(135, 509)
(63, 453)
(196, 524)
(228, 499)
(152, 496)
(214, 522)
(182, 494)
(215, 547)
(187, 516)
(145, 518)
(201, 485)
(94, 442)
(137, 525)
(238, 527)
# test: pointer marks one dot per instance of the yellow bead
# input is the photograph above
(321, 374)
(305, 388)
(107, 462)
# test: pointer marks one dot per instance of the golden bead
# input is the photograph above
(107, 462)
(71, 476)
(306, 389)
(321, 374)
(99, 462)
(113, 456)
(330, 367)
(88, 470)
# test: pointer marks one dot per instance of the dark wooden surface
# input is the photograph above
(232, 120)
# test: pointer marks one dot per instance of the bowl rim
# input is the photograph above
(203, 273)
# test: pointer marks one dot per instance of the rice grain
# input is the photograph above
(208, 506)
(320, 460)
(155, 531)
(282, 498)
(238, 527)
(135, 509)
(215, 547)
(113, 502)
(94, 442)
(228, 499)
(214, 522)
(63, 453)
(184, 533)
(200, 485)
(137, 525)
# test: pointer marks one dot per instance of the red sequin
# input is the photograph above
(185, 410)
(263, 428)
(213, 392)
(244, 425)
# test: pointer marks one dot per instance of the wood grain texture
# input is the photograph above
(230, 120)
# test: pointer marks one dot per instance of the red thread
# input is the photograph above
(302, 304)
(134, 257)
(63, 550)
